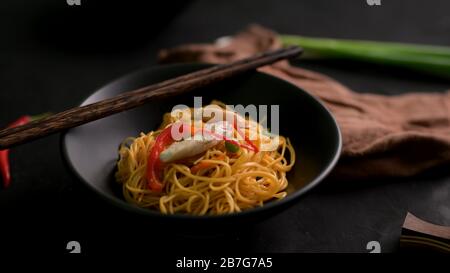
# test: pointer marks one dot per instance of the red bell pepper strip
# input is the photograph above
(154, 165)
(4, 154)
(245, 137)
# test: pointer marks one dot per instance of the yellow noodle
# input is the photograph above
(231, 183)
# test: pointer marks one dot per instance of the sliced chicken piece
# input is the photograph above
(186, 148)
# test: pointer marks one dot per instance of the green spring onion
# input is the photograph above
(424, 58)
(232, 148)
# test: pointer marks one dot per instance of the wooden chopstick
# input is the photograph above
(80, 115)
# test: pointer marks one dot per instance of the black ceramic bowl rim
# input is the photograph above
(288, 200)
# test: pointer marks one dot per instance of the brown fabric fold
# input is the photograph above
(383, 136)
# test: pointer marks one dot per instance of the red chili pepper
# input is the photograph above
(4, 154)
(4, 167)
(20, 121)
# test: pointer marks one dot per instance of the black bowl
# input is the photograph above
(91, 150)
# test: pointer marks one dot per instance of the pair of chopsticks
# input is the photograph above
(80, 115)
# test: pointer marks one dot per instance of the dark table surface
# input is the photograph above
(53, 55)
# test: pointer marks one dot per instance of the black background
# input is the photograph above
(54, 55)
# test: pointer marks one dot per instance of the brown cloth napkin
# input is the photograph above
(383, 136)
